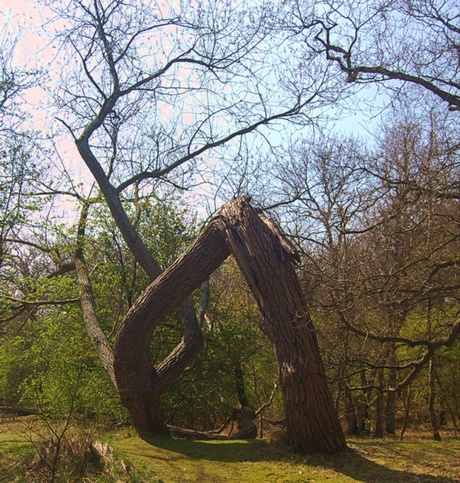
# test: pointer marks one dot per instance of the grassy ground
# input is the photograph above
(156, 460)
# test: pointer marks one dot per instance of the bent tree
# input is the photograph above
(160, 93)
(267, 262)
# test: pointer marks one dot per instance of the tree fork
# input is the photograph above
(266, 259)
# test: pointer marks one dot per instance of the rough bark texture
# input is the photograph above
(97, 336)
(266, 260)
(88, 305)
(140, 384)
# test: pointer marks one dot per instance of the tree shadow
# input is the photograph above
(348, 463)
(357, 466)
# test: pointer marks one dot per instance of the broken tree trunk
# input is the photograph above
(266, 260)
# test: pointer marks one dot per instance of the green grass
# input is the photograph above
(166, 460)
(14, 454)
(161, 460)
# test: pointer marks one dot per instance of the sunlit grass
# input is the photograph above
(15, 452)
(162, 460)
(259, 461)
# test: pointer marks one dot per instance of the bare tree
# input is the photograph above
(22, 169)
(16, 171)
(392, 43)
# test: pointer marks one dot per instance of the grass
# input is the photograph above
(15, 453)
(261, 461)
(161, 460)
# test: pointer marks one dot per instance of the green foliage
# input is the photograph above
(50, 363)
(167, 228)
(233, 340)
(64, 372)
(15, 360)
(448, 379)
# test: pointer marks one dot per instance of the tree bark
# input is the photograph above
(390, 403)
(350, 413)
(390, 406)
(434, 421)
(266, 260)
(407, 407)
(140, 384)
(87, 303)
(379, 419)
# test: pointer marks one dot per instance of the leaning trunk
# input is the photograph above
(266, 259)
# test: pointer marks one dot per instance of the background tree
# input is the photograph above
(380, 242)
(236, 367)
(18, 170)
(393, 45)
(407, 51)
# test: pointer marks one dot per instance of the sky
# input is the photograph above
(25, 18)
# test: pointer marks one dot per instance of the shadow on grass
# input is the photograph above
(348, 463)
(355, 465)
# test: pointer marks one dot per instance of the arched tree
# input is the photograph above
(149, 93)
(266, 259)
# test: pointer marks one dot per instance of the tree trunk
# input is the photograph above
(240, 386)
(378, 427)
(266, 259)
(407, 406)
(147, 414)
(247, 415)
(390, 404)
(448, 404)
(140, 384)
(350, 413)
(87, 303)
(431, 403)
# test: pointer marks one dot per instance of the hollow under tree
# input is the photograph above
(267, 262)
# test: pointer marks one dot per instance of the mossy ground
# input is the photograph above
(155, 459)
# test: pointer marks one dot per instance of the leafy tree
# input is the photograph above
(65, 372)
(36, 344)
(20, 169)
